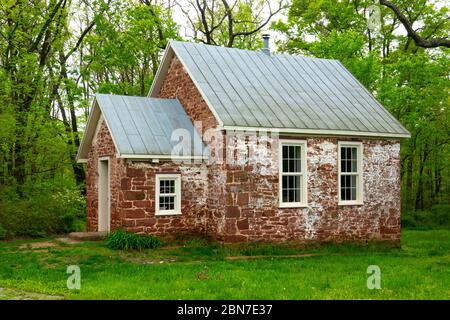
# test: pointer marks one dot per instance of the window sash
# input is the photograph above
(350, 190)
(171, 201)
(296, 158)
(160, 194)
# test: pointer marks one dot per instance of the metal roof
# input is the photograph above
(252, 89)
(142, 126)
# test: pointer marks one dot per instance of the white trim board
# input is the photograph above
(159, 156)
(319, 132)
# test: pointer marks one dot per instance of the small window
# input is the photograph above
(292, 177)
(168, 194)
(350, 172)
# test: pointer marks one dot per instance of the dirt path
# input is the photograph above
(14, 294)
(303, 255)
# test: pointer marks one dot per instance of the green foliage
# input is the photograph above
(124, 49)
(437, 218)
(44, 209)
(54, 55)
(411, 82)
(3, 233)
(123, 240)
(419, 270)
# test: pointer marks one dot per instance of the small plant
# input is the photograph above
(123, 240)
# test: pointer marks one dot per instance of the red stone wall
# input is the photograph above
(252, 211)
(103, 146)
(137, 198)
(178, 84)
(132, 197)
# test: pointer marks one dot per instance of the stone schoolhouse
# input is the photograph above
(245, 146)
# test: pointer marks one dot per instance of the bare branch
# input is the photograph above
(420, 42)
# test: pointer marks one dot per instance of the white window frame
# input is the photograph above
(359, 180)
(176, 195)
(303, 174)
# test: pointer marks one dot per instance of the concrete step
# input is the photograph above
(88, 236)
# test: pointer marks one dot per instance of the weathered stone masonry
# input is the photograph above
(132, 192)
(252, 211)
(238, 200)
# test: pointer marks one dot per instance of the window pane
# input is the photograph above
(285, 152)
(291, 159)
(291, 152)
(349, 159)
(353, 187)
(348, 187)
(167, 203)
(354, 167)
(167, 186)
(291, 188)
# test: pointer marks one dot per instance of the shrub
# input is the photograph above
(441, 214)
(437, 218)
(42, 210)
(3, 233)
(123, 240)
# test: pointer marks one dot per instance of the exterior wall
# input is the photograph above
(252, 211)
(237, 200)
(137, 197)
(132, 192)
(178, 84)
(103, 146)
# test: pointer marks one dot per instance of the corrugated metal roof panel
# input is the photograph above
(144, 126)
(253, 89)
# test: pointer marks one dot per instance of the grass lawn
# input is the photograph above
(199, 270)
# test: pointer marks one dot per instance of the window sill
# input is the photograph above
(167, 214)
(292, 206)
(350, 203)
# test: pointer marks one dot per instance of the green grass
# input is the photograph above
(200, 270)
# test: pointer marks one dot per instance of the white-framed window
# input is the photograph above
(350, 179)
(292, 174)
(168, 194)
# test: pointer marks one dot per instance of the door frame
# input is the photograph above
(101, 192)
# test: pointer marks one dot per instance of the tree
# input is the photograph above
(122, 52)
(53, 56)
(413, 83)
(443, 24)
(235, 23)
